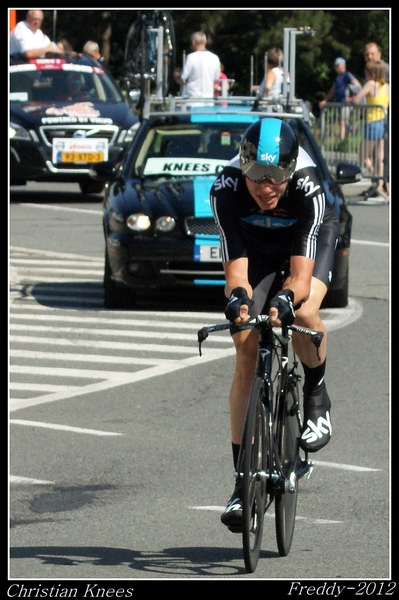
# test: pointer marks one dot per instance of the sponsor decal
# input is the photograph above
(78, 109)
(269, 222)
(183, 166)
(305, 183)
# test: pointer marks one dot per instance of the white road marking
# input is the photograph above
(29, 480)
(321, 463)
(270, 514)
(62, 427)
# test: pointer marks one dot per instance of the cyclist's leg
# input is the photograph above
(246, 352)
(317, 429)
(316, 432)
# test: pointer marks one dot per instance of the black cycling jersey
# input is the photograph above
(303, 223)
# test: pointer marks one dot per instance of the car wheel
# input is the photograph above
(337, 298)
(91, 187)
(116, 296)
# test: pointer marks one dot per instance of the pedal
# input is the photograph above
(305, 467)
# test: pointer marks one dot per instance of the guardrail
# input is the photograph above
(342, 139)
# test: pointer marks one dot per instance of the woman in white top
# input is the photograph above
(272, 83)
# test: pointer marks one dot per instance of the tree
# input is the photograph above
(238, 35)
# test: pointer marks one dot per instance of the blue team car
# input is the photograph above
(159, 231)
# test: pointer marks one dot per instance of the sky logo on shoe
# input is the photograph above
(314, 431)
(233, 505)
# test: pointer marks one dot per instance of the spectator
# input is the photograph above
(71, 88)
(29, 40)
(272, 83)
(200, 71)
(339, 89)
(219, 86)
(92, 49)
(376, 92)
(372, 52)
(67, 46)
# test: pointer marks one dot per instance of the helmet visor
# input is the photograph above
(258, 172)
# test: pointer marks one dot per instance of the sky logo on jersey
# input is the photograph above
(305, 183)
(268, 222)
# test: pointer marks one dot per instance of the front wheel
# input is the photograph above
(91, 187)
(116, 296)
(253, 467)
(288, 448)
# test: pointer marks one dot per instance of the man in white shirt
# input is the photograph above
(201, 69)
(29, 40)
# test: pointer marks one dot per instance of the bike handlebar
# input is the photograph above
(257, 323)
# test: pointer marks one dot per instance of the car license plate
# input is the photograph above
(207, 253)
(80, 150)
(86, 157)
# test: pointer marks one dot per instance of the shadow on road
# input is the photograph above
(90, 296)
(175, 562)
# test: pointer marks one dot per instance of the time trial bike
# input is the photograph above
(271, 462)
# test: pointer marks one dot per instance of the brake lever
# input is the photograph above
(202, 335)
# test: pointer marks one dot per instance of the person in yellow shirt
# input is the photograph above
(376, 93)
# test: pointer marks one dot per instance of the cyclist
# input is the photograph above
(271, 207)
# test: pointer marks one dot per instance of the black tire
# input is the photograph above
(169, 50)
(253, 466)
(141, 55)
(288, 449)
(337, 297)
(91, 187)
(116, 296)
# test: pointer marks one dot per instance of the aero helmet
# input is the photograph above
(268, 150)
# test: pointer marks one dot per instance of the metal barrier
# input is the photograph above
(342, 139)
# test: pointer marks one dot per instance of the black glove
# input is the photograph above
(283, 302)
(238, 297)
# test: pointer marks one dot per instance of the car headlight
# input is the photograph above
(165, 224)
(18, 133)
(126, 135)
(138, 222)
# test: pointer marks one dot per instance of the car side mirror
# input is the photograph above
(348, 173)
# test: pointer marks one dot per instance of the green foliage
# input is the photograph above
(238, 35)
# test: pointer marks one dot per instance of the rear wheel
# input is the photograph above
(165, 20)
(253, 466)
(288, 448)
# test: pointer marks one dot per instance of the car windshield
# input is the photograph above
(199, 148)
(69, 82)
(190, 149)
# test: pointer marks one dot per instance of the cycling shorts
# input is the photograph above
(267, 280)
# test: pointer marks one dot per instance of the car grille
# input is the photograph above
(200, 226)
(49, 132)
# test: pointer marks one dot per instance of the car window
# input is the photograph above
(203, 149)
(72, 83)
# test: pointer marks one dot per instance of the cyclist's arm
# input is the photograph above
(297, 286)
(236, 273)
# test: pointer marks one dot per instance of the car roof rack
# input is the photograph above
(295, 107)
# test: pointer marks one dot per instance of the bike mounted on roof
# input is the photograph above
(149, 58)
